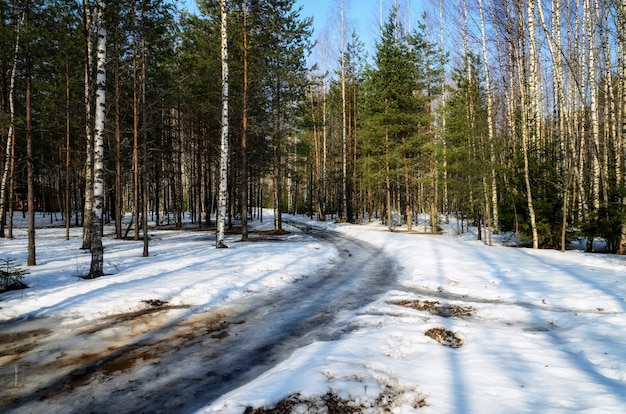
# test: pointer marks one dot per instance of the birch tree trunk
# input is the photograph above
(97, 251)
(8, 159)
(610, 107)
(530, 126)
(490, 122)
(593, 106)
(446, 203)
(88, 28)
(223, 190)
(324, 151)
(621, 38)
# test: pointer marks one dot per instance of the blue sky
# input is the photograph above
(362, 15)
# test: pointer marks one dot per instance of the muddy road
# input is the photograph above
(165, 359)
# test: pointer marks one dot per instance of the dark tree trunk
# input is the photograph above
(30, 176)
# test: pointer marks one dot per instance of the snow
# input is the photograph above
(541, 330)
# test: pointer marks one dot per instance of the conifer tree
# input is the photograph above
(396, 120)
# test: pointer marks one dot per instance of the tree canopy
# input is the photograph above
(510, 114)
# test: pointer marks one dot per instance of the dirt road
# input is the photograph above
(176, 359)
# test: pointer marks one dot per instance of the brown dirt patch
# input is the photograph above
(331, 403)
(445, 337)
(436, 308)
(65, 369)
(154, 303)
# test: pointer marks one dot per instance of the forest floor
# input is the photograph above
(326, 317)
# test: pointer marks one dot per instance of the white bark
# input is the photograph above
(344, 116)
(88, 126)
(530, 129)
(97, 258)
(611, 108)
(490, 122)
(555, 46)
(446, 206)
(593, 105)
(223, 190)
(622, 100)
(324, 147)
(10, 133)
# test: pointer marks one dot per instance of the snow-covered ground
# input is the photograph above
(519, 330)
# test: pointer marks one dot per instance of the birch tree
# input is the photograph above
(344, 115)
(490, 120)
(8, 159)
(89, 138)
(593, 104)
(621, 39)
(97, 250)
(530, 111)
(223, 183)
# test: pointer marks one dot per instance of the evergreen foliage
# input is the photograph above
(412, 146)
(11, 275)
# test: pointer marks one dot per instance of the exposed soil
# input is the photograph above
(434, 307)
(36, 355)
(445, 337)
(329, 403)
(163, 358)
(333, 404)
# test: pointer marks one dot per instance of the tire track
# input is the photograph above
(188, 361)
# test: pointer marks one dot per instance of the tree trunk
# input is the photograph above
(531, 125)
(244, 132)
(622, 104)
(119, 204)
(97, 250)
(446, 202)
(324, 152)
(5, 196)
(344, 116)
(593, 109)
(68, 210)
(88, 28)
(490, 123)
(407, 188)
(223, 184)
(388, 182)
(30, 176)
(136, 167)
(144, 115)
(11, 183)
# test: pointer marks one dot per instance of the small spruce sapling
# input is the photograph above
(11, 275)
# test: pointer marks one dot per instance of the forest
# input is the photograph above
(139, 107)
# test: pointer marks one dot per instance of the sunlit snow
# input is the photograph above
(538, 330)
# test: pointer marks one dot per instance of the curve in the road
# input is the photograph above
(225, 349)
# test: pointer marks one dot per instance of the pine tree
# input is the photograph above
(285, 44)
(395, 116)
